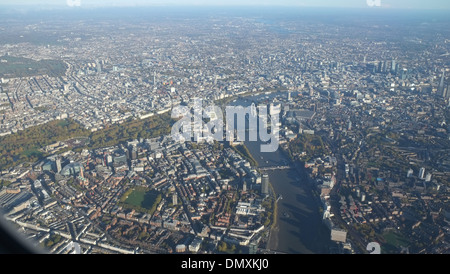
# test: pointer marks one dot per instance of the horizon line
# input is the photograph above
(49, 6)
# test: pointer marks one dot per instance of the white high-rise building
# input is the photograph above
(265, 184)
(409, 173)
(58, 165)
(422, 173)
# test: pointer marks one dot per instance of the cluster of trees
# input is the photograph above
(311, 144)
(245, 153)
(224, 247)
(133, 129)
(366, 230)
(215, 145)
(4, 183)
(24, 67)
(269, 214)
(24, 145)
(225, 173)
(52, 240)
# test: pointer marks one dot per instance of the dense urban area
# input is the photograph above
(88, 164)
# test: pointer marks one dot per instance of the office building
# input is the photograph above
(422, 173)
(409, 173)
(338, 235)
(98, 67)
(174, 199)
(58, 165)
(393, 67)
(441, 87)
(265, 184)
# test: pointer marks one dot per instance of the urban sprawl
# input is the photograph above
(363, 107)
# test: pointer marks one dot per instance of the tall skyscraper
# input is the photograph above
(443, 88)
(98, 66)
(58, 165)
(441, 83)
(422, 173)
(393, 67)
(265, 184)
(404, 74)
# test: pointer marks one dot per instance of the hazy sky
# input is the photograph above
(403, 4)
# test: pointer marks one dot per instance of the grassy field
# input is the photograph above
(141, 199)
(23, 67)
(394, 242)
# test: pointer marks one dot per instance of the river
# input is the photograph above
(299, 228)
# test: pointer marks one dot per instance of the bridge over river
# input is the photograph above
(269, 168)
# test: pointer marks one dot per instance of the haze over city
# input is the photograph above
(109, 115)
(396, 4)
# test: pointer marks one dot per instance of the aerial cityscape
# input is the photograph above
(109, 119)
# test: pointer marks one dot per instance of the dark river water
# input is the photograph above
(299, 227)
